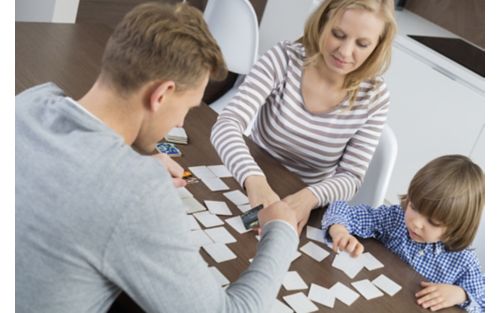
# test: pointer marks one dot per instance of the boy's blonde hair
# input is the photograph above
(327, 13)
(159, 41)
(449, 190)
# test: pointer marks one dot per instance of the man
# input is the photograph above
(95, 216)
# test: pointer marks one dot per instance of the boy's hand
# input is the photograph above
(439, 296)
(344, 241)
(173, 168)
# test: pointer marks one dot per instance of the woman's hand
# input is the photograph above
(172, 167)
(439, 296)
(277, 211)
(259, 191)
(344, 241)
(302, 202)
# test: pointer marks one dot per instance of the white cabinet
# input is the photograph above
(431, 114)
(437, 108)
(55, 11)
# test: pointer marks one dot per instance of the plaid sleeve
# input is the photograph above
(473, 281)
(361, 220)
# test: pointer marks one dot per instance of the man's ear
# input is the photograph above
(161, 91)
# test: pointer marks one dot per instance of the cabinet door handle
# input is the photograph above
(445, 72)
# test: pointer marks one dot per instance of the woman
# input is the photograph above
(319, 105)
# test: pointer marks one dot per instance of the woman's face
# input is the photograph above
(350, 39)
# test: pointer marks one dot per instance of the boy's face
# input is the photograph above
(421, 228)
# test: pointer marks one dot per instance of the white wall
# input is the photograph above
(56, 11)
(34, 10)
(65, 11)
(477, 155)
(283, 19)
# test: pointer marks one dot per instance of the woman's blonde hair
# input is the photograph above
(159, 41)
(450, 191)
(327, 13)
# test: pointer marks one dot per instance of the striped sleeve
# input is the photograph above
(227, 132)
(349, 174)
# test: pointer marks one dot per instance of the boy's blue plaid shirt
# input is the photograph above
(431, 260)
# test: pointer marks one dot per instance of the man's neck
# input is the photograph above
(122, 114)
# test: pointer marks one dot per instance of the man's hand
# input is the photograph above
(302, 202)
(439, 296)
(344, 241)
(259, 191)
(173, 168)
(278, 211)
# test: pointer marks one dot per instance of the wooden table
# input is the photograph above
(69, 55)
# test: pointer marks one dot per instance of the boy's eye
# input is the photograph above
(433, 223)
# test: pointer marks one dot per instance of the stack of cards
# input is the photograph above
(177, 135)
(168, 148)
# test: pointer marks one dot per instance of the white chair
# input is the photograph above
(234, 25)
(378, 175)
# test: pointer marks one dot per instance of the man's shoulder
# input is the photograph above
(48, 89)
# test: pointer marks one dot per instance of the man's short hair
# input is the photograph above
(160, 41)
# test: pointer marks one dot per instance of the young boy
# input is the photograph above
(431, 230)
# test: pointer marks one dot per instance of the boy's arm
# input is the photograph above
(467, 291)
(361, 220)
(472, 282)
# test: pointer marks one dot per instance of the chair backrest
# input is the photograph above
(378, 175)
(234, 25)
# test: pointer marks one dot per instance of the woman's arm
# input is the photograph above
(237, 116)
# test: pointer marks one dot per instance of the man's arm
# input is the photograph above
(150, 257)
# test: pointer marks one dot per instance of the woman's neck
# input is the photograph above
(335, 80)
